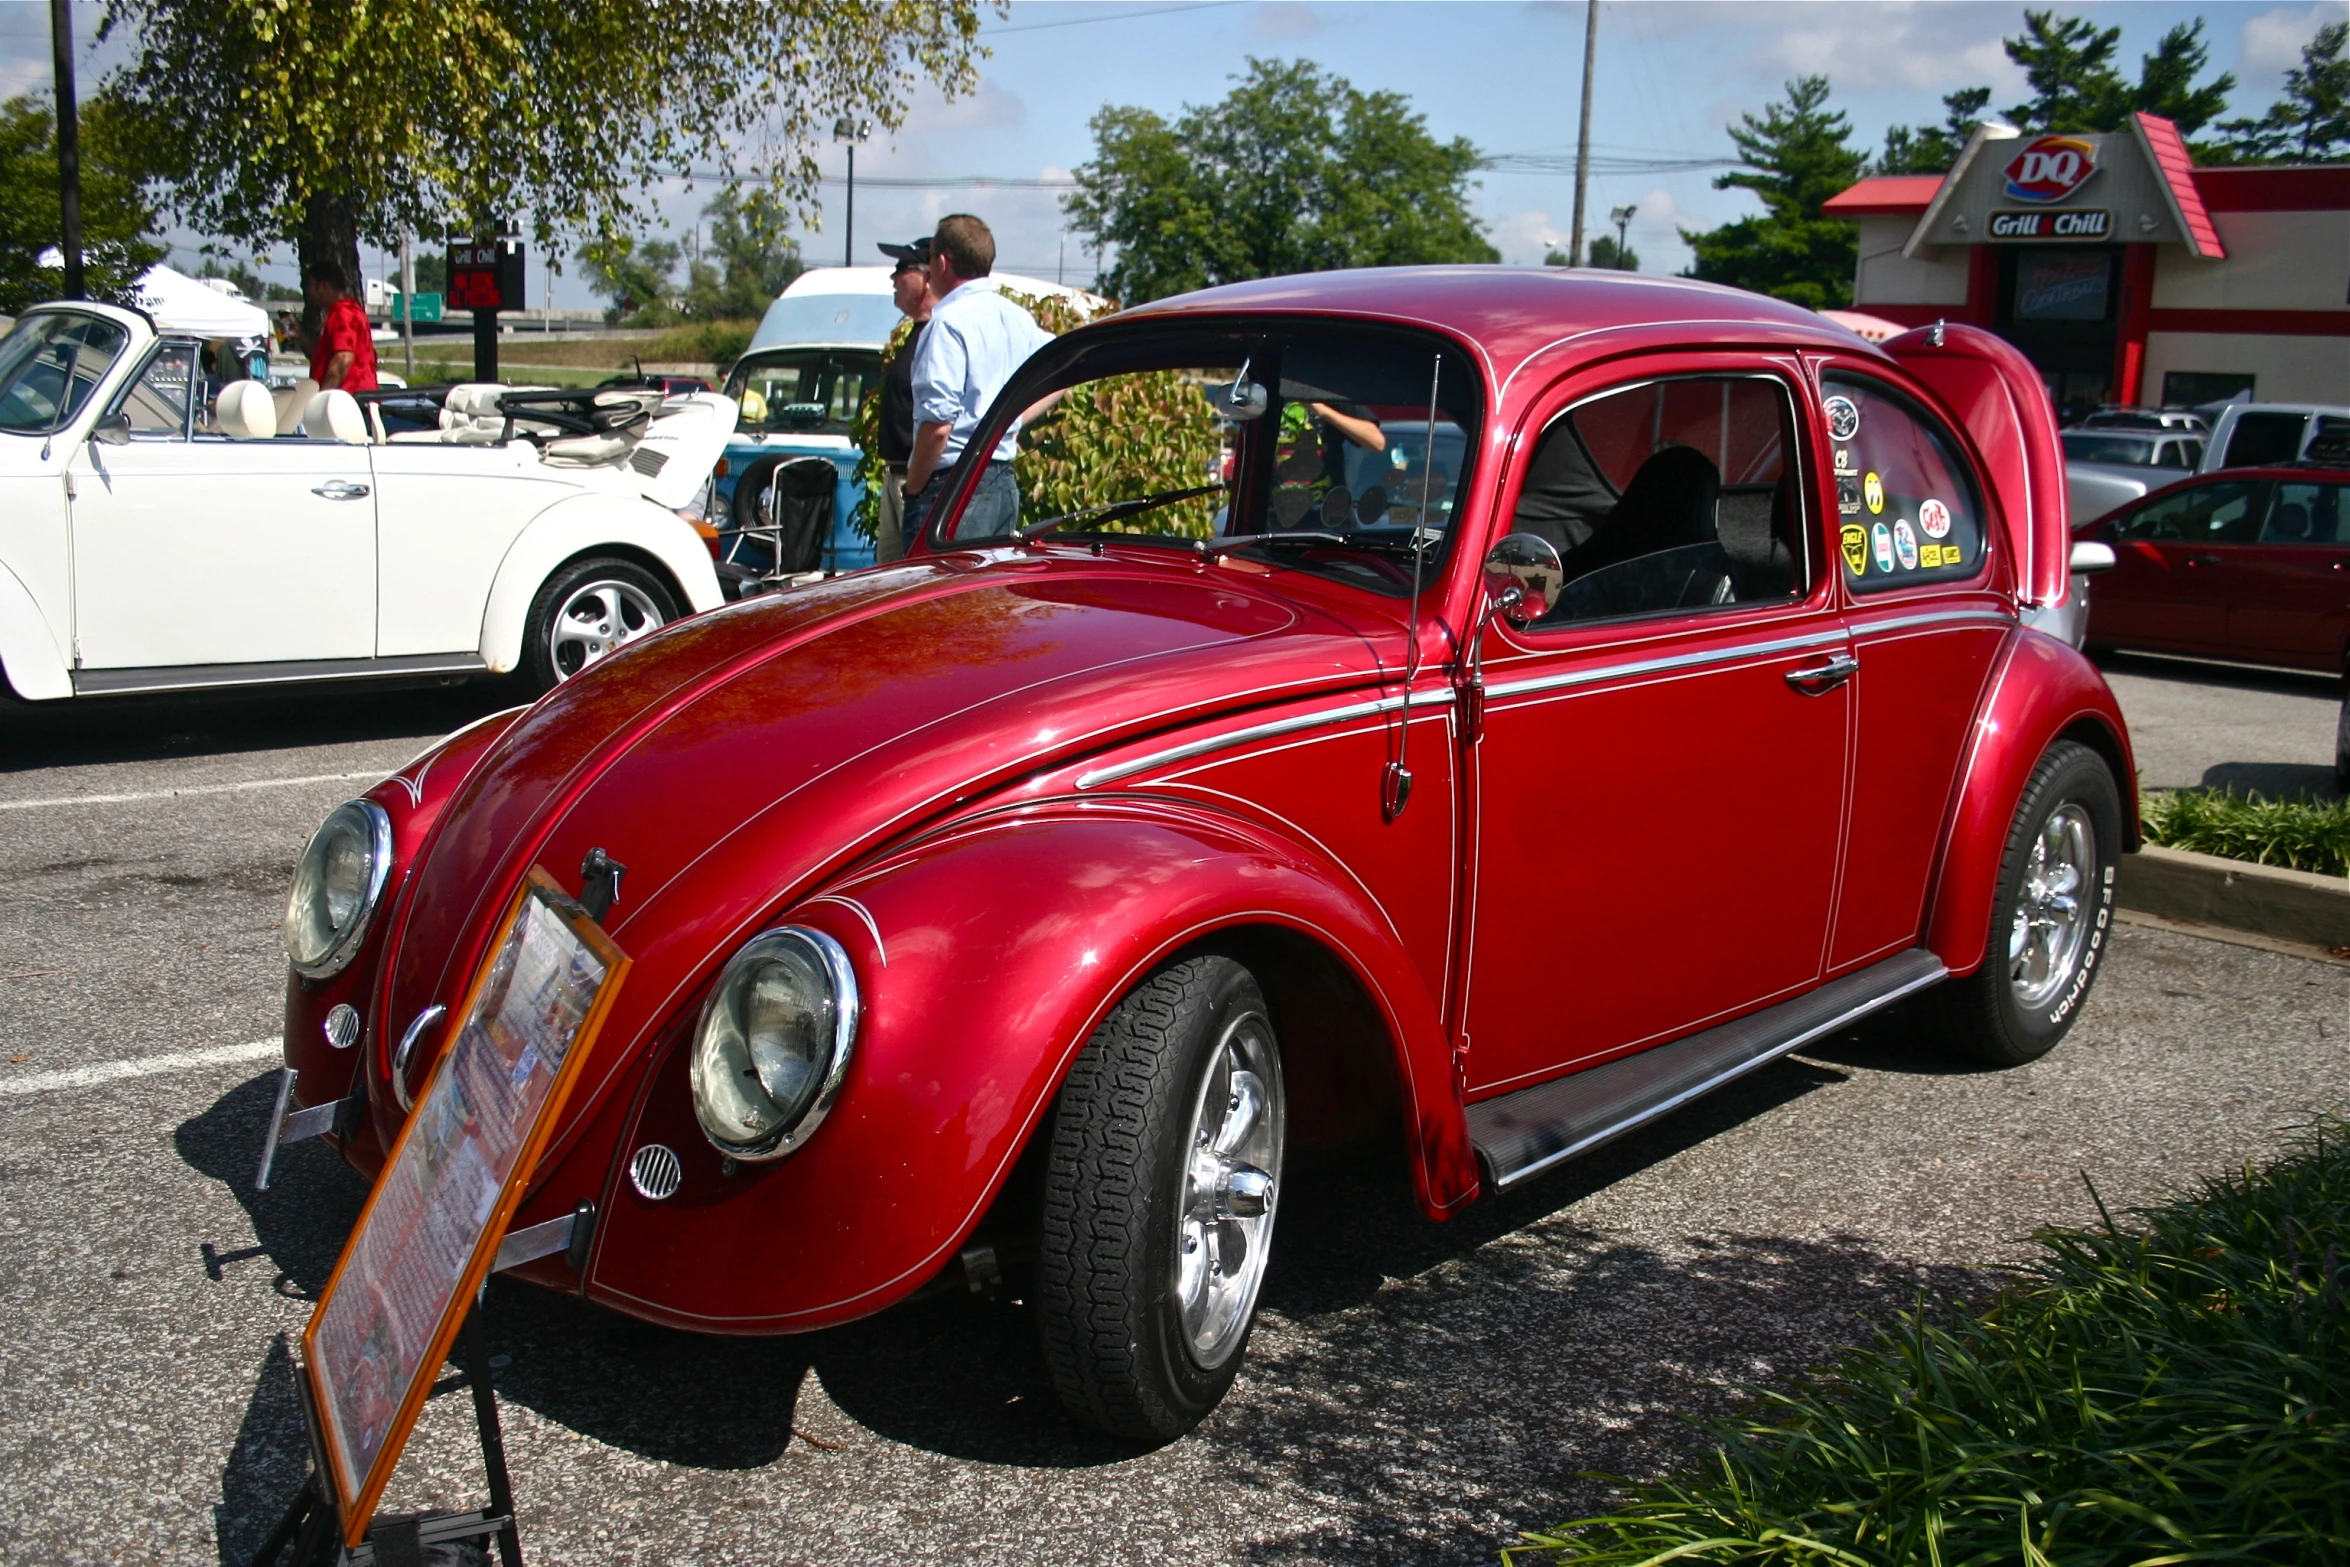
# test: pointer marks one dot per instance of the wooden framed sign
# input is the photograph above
(426, 1239)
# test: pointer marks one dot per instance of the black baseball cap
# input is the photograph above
(916, 254)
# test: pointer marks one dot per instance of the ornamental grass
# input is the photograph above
(2174, 1391)
(2305, 835)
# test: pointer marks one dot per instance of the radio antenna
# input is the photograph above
(1396, 788)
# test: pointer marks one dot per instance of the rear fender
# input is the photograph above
(583, 525)
(986, 955)
(2042, 692)
(30, 659)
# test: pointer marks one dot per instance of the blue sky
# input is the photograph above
(1672, 74)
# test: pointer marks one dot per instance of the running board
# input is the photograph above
(1520, 1135)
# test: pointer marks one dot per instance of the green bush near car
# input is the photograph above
(2175, 1391)
(2303, 835)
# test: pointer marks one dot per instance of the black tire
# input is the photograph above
(1117, 1195)
(645, 600)
(1992, 1014)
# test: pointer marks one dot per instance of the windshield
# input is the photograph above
(1309, 446)
(802, 390)
(49, 366)
(2128, 450)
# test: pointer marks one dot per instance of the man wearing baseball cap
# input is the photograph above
(910, 286)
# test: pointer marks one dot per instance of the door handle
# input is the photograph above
(340, 490)
(2203, 560)
(1824, 677)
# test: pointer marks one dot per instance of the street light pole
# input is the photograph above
(852, 131)
(69, 148)
(1623, 217)
(1583, 140)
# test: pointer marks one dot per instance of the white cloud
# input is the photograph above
(2272, 42)
(1524, 237)
(1283, 19)
(991, 107)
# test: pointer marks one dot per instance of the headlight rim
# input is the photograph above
(848, 1016)
(379, 873)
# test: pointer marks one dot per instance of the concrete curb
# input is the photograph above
(2290, 905)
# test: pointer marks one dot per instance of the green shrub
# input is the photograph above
(2170, 1393)
(2306, 835)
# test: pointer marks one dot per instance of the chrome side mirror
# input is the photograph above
(2091, 556)
(1521, 574)
(114, 430)
(1240, 402)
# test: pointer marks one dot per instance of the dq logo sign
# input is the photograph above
(2051, 168)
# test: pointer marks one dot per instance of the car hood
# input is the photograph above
(736, 758)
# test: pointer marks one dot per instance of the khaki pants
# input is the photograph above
(889, 519)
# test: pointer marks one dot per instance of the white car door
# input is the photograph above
(447, 516)
(193, 549)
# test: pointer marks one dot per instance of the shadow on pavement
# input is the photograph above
(2272, 780)
(2187, 671)
(145, 728)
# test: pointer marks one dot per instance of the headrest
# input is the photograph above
(335, 416)
(2290, 522)
(473, 398)
(245, 412)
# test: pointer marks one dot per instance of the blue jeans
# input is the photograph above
(992, 511)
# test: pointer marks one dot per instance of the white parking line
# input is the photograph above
(193, 789)
(145, 1066)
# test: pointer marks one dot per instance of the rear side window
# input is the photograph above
(2223, 513)
(2259, 439)
(2306, 514)
(1906, 509)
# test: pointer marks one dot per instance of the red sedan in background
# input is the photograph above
(2248, 564)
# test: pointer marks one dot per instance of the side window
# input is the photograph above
(157, 402)
(2223, 513)
(2306, 514)
(1669, 495)
(2262, 438)
(1906, 508)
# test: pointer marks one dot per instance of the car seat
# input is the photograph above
(1659, 548)
(245, 411)
(335, 416)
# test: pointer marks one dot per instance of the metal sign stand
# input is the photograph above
(309, 1529)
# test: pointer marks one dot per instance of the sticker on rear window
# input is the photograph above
(1905, 544)
(1872, 490)
(1856, 548)
(1881, 540)
(1934, 517)
(1843, 418)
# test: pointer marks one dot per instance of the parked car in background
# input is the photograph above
(1027, 907)
(2251, 565)
(2251, 435)
(158, 534)
(798, 387)
(2105, 468)
(2179, 420)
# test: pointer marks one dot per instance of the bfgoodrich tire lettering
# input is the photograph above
(1138, 1199)
(2051, 918)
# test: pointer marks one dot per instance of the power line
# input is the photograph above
(1115, 16)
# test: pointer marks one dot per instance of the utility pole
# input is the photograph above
(1583, 140)
(408, 302)
(69, 148)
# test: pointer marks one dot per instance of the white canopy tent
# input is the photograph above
(179, 303)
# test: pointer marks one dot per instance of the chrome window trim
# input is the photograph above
(848, 1011)
(1433, 698)
(1594, 674)
(379, 871)
(1997, 617)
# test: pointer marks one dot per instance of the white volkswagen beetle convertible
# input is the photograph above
(159, 533)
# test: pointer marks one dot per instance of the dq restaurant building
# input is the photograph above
(2127, 274)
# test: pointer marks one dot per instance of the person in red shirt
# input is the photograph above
(343, 355)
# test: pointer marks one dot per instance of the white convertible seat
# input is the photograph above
(245, 412)
(335, 416)
(586, 451)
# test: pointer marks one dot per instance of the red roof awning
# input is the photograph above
(2167, 151)
(1902, 195)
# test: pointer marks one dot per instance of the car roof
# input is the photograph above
(1513, 312)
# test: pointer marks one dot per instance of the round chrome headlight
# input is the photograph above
(336, 886)
(773, 1046)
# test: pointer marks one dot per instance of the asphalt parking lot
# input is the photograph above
(1416, 1393)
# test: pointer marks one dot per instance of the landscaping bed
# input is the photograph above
(2171, 1390)
(2301, 835)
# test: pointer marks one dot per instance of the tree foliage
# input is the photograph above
(116, 219)
(2311, 122)
(1294, 171)
(332, 123)
(1793, 158)
(1606, 254)
(1934, 149)
(735, 276)
(2069, 63)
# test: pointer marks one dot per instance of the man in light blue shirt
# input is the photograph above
(975, 341)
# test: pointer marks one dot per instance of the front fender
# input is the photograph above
(579, 525)
(2043, 691)
(986, 955)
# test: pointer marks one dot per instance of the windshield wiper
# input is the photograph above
(1361, 539)
(1115, 510)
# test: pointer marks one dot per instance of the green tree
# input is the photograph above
(1294, 171)
(1794, 158)
(2311, 122)
(117, 244)
(1934, 149)
(331, 123)
(749, 260)
(1605, 254)
(2069, 63)
(639, 277)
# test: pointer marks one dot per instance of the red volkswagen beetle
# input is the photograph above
(1472, 708)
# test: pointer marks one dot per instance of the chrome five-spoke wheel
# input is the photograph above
(1228, 1190)
(2045, 940)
